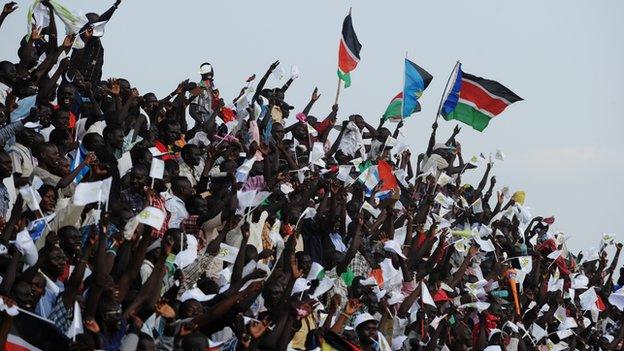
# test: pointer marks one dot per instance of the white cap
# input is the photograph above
(392, 245)
(363, 318)
(205, 68)
(196, 294)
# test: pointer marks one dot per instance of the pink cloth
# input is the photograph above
(254, 183)
(301, 117)
(255, 132)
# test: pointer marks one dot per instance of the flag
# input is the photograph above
(348, 51)
(90, 192)
(475, 100)
(31, 332)
(415, 82)
(152, 216)
(81, 154)
(76, 327)
(393, 111)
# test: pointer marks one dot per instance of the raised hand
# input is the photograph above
(274, 66)
(9, 7)
(315, 94)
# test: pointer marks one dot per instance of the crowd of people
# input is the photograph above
(249, 224)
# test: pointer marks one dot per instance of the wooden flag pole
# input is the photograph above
(445, 90)
(337, 92)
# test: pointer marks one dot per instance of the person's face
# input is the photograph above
(151, 103)
(300, 132)
(56, 262)
(186, 190)
(48, 201)
(305, 263)
(71, 242)
(87, 34)
(25, 295)
(50, 155)
(9, 73)
(61, 120)
(193, 156)
(111, 316)
(138, 179)
(6, 166)
(172, 133)
(45, 116)
(367, 332)
(278, 132)
(117, 138)
(65, 97)
(191, 308)
(359, 122)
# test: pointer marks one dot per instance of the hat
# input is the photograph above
(363, 318)
(392, 245)
(205, 68)
(196, 294)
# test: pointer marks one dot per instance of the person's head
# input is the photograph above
(206, 71)
(358, 120)
(181, 187)
(44, 113)
(60, 119)
(367, 332)
(109, 313)
(138, 178)
(150, 102)
(177, 237)
(304, 262)
(48, 198)
(141, 155)
(28, 293)
(70, 240)
(54, 264)
(196, 205)
(277, 132)
(28, 56)
(8, 73)
(191, 155)
(93, 141)
(191, 308)
(62, 139)
(383, 134)
(47, 154)
(172, 167)
(6, 165)
(169, 132)
(26, 137)
(65, 95)
(114, 136)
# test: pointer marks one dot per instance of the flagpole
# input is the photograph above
(445, 89)
(403, 88)
(337, 92)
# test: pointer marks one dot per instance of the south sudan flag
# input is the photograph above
(475, 100)
(348, 51)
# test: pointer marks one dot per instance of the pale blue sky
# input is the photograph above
(564, 57)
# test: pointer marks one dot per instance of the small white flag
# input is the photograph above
(246, 198)
(526, 263)
(227, 253)
(372, 210)
(90, 192)
(124, 163)
(426, 296)
(152, 216)
(157, 169)
(31, 197)
(76, 327)
(499, 155)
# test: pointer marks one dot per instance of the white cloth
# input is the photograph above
(178, 211)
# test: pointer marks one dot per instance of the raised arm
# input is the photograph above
(109, 13)
(6, 11)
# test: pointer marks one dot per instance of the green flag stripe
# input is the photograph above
(346, 77)
(470, 116)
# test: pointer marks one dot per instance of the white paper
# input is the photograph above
(157, 169)
(152, 217)
(90, 192)
(124, 163)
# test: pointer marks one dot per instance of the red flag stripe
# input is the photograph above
(346, 60)
(482, 98)
(15, 343)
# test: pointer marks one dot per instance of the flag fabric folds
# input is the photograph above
(474, 100)
(416, 81)
(81, 154)
(348, 51)
(394, 109)
(31, 332)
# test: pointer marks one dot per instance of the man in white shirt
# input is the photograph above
(8, 75)
(181, 190)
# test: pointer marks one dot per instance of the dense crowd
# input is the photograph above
(247, 224)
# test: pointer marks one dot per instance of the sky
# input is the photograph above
(562, 143)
